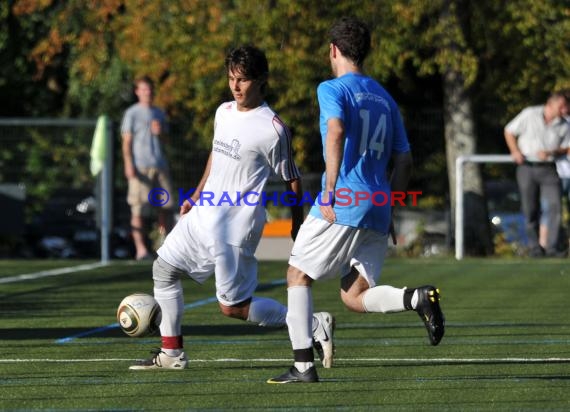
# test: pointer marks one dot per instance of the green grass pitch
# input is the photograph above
(507, 343)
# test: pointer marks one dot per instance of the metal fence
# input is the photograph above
(52, 203)
(44, 173)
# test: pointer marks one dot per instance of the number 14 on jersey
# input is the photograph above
(374, 142)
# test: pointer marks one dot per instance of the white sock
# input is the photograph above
(300, 316)
(303, 366)
(383, 299)
(414, 300)
(266, 312)
(171, 301)
(172, 352)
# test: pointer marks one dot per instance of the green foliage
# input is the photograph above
(54, 161)
(77, 58)
(522, 49)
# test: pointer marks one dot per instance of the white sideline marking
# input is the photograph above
(379, 360)
(52, 272)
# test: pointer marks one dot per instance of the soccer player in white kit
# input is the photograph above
(221, 224)
(362, 131)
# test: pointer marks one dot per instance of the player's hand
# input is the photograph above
(326, 206)
(185, 208)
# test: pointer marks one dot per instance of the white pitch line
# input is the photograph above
(378, 360)
(52, 272)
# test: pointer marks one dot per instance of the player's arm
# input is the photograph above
(297, 214)
(187, 205)
(514, 147)
(127, 149)
(334, 142)
(403, 165)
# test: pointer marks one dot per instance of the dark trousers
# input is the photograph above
(536, 181)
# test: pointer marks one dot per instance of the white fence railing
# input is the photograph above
(459, 208)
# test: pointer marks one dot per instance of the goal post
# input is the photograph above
(459, 206)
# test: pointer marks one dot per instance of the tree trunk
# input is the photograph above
(460, 140)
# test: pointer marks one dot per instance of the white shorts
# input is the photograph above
(189, 249)
(324, 250)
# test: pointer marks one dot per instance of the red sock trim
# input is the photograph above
(172, 342)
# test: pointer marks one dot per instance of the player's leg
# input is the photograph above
(184, 252)
(168, 294)
(358, 288)
(360, 293)
(236, 281)
(424, 300)
(319, 250)
(299, 322)
(269, 312)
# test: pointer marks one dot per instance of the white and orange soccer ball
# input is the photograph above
(139, 315)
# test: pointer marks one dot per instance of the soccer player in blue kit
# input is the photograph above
(362, 131)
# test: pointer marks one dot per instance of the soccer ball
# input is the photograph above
(139, 315)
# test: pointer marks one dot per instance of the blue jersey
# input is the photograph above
(374, 131)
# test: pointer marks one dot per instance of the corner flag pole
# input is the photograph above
(102, 162)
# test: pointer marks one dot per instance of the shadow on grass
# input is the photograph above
(113, 331)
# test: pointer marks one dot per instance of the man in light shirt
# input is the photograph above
(535, 137)
(143, 130)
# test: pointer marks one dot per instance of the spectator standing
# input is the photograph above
(143, 130)
(535, 137)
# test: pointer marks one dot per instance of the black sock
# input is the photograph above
(408, 293)
(303, 355)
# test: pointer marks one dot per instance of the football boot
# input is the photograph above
(294, 376)
(161, 360)
(430, 312)
(323, 338)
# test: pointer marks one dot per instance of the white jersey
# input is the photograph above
(248, 147)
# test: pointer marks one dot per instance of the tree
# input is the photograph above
(432, 38)
(22, 91)
(487, 54)
(451, 47)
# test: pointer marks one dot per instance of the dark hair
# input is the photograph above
(144, 79)
(248, 60)
(352, 38)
